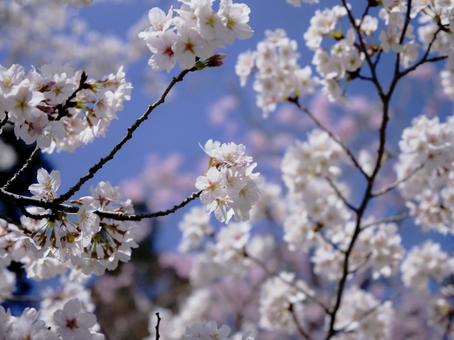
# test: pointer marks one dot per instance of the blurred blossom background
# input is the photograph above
(158, 167)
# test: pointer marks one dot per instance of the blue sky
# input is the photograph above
(181, 124)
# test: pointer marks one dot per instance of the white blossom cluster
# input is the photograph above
(58, 108)
(424, 263)
(71, 322)
(339, 55)
(278, 296)
(195, 226)
(318, 218)
(278, 75)
(53, 31)
(362, 316)
(84, 241)
(297, 3)
(426, 159)
(207, 331)
(195, 32)
(229, 187)
(314, 206)
(230, 255)
(173, 325)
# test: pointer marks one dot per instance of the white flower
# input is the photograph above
(29, 326)
(229, 187)
(206, 331)
(7, 284)
(278, 294)
(196, 32)
(425, 262)
(162, 46)
(361, 315)
(235, 18)
(73, 323)
(47, 185)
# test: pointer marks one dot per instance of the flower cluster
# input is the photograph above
(206, 331)
(229, 255)
(195, 33)
(426, 262)
(71, 322)
(340, 53)
(278, 75)
(279, 296)
(52, 245)
(362, 315)
(426, 161)
(229, 188)
(58, 108)
(194, 226)
(315, 206)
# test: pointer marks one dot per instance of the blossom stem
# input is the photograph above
(24, 167)
(330, 134)
(98, 166)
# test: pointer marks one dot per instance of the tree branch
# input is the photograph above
(398, 182)
(22, 201)
(340, 194)
(263, 266)
(385, 98)
(24, 167)
(336, 139)
(396, 218)
(299, 327)
(158, 322)
(98, 166)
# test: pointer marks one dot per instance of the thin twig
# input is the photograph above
(336, 139)
(340, 194)
(425, 58)
(98, 166)
(398, 182)
(263, 266)
(299, 327)
(385, 98)
(372, 310)
(24, 167)
(127, 217)
(157, 326)
(62, 109)
(448, 330)
(390, 219)
(22, 201)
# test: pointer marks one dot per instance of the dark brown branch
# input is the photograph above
(24, 167)
(299, 327)
(126, 217)
(22, 201)
(363, 48)
(425, 58)
(385, 98)
(264, 267)
(158, 322)
(330, 134)
(62, 109)
(98, 166)
(448, 329)
(390, 219)
(402, 38)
